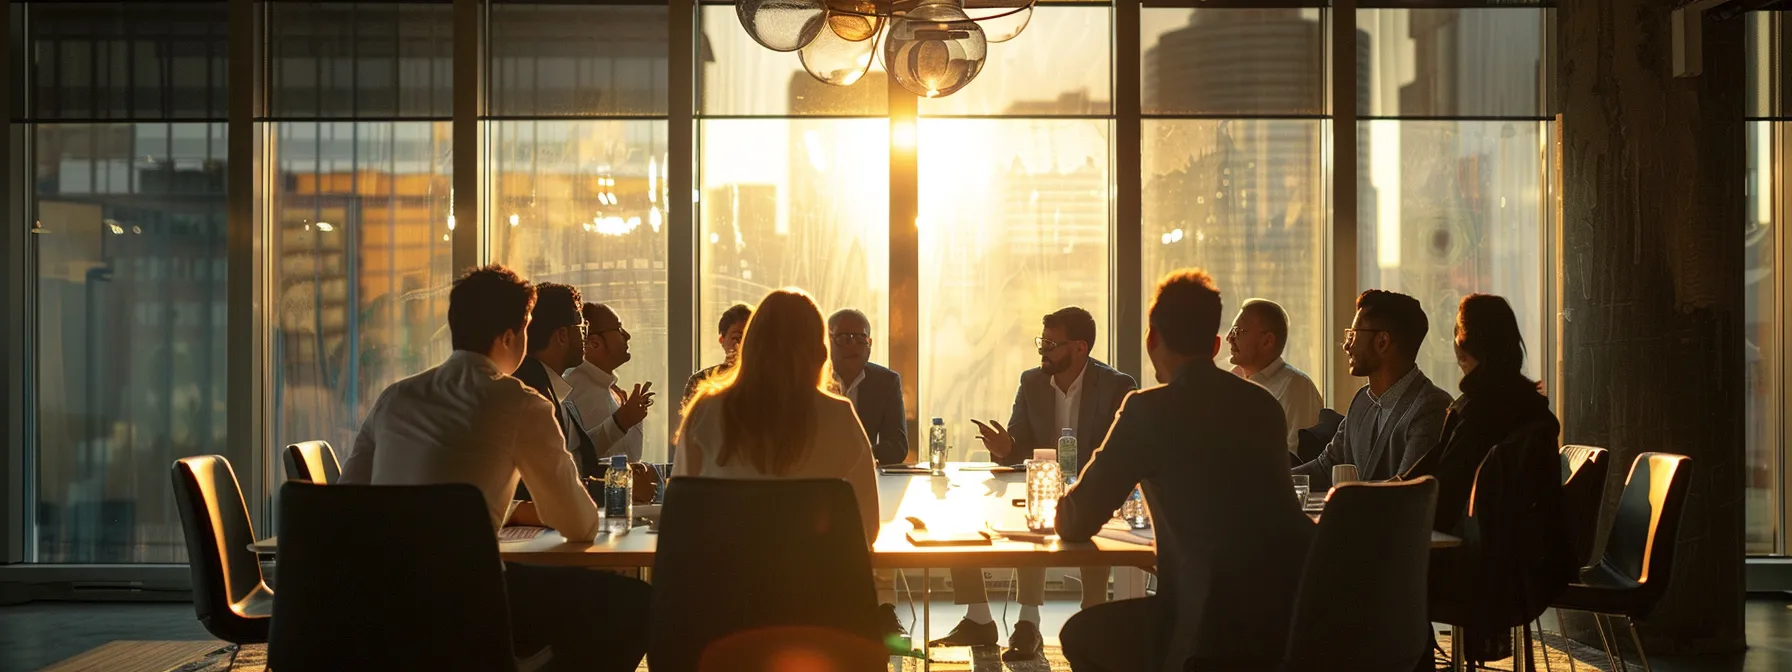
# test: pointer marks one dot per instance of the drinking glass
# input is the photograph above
(1134, 511)
(1302, 487)
(1044, 486)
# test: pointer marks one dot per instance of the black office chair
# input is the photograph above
(229, 595)
(418, 586)
(770, 565)
(1583, 488)
(1313, 440)
(1633, 573)
(311, 462)
(1361, 601)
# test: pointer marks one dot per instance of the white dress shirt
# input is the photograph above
(1067, 403)
(837, 449)
(595, 397)
(1296, 393)
(464, 422)
(851, 390)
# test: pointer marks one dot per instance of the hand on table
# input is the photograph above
(996, 438)
(634, 406)
(525, 514)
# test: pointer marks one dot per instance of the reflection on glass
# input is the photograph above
(736, 76)
(1013, 225)
(340, 60)
(801, 203)
(1452, 208)
(1245, 200)
(1059, 66)
(130, 332)
(583, 203)
(1761, 329)
(561, 60)
(125, 60)
(1453, 62)
(359, 263)
(1233, 61)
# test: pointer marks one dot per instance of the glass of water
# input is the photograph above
(1302, 486)
(1134, 512)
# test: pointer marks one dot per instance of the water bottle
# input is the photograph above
(1067, 455)
(1134, 511)
(619, 493)
(1044, 487)
(936, 447)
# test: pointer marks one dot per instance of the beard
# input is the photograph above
(1053, 367)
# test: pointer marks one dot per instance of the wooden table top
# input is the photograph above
(967, 498)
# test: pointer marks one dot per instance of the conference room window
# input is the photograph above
(793, 183)
(1453, 178)
(357, 148)
(121, 111)
(577, 166)
(1769, 193)
(1235, 170)
(1014, 202)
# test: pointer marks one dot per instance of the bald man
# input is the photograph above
(876, 392)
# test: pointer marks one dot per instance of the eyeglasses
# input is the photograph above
(595, 335)
(1047, 345)
(851, 338)
(1350, 334)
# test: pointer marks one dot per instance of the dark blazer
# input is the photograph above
(535, 374)
(880, 412)
(1034, 424)
(1412, 429)
(1491, 408)
(1209, 451)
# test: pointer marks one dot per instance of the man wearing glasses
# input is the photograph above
(1399, 415)
(1069, 390)
(1259, 335)
(557, 343)
(875, 391)
(614, 415)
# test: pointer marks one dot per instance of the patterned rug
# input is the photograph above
(1553, 653)
(129, 655)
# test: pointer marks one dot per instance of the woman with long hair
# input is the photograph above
(1497, 399)
(771, 414)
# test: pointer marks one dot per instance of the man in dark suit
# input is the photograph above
(1068, 391)
(876, 392)
(1399, 415)
(1208, 449)
(557, 343)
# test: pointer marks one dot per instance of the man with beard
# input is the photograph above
(556, 343)
(1399, 415)
(1068, 391)
(612, 416)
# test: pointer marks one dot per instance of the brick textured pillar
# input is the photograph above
(1653, 177)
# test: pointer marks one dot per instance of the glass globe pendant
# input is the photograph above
(781, 25)
(934, 49)
(1003, 24)
(842, 53)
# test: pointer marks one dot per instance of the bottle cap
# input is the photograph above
(1067, 432)
(1045, 454)
(939, 421)
(618, 461)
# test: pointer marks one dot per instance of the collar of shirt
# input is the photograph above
(849, 389)
(474, 360)
(1076, 386)
(561, 387)
(602, 379)
(1263, 376)
(1391, 397)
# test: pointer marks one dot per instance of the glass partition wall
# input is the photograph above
(1101, 147)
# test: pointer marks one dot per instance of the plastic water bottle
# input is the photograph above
(619, 494)
(1134, 511)
(1067, 455)
(936, 447)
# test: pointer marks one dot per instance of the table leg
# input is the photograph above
(1457, 662)
(1129, 583)
(926, 618)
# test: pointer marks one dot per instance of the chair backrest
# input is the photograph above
(388, 577)
(757, 555)
(1583, 489)
(218, 532)
(311, 462)
(1516, 556)
(1362, 591)
(1647, 525)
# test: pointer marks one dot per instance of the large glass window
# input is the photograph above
(358, 212)
(1769, 133)
(1451, 195)
(129, 259)
(1233, 163)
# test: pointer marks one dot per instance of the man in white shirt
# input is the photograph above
(469, 421)
(1258, 337)
(612, 417)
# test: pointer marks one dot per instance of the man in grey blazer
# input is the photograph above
(1400, 414)
(1069, 390)
(1208, 449)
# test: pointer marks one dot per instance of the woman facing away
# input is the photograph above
(770, 415)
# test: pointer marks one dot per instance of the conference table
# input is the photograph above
(971, 496)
